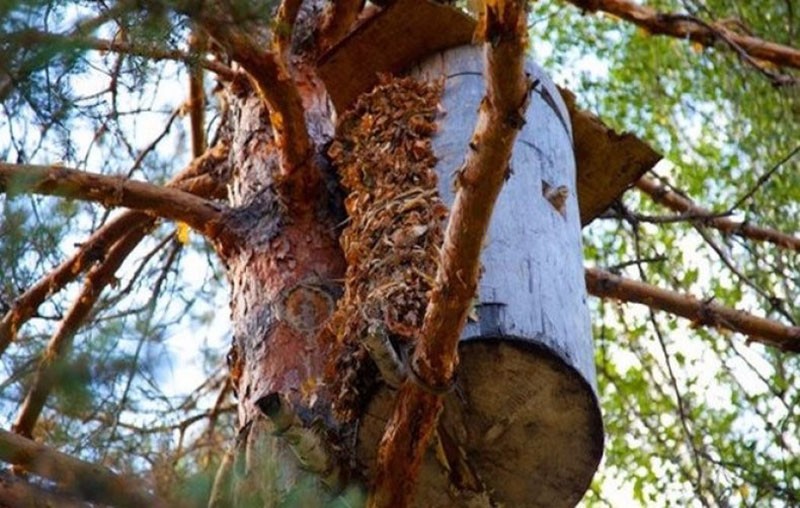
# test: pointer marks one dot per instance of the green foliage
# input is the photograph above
(722, 125)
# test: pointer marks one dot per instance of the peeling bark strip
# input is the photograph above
(479, 181)
(700, 312)
(391, 244)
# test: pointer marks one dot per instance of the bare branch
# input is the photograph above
(671, 199)
(479, 181)
(195, 178)
(284, 27)
(221, 491)
(688, 27)
(46, 375)
(197, 95)
(17, 492)
(299, 179)
(339, 19)
(701, 312)
(92, 482)
(34, 37)
(201, 214)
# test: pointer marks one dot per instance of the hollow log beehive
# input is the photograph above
(522, 426)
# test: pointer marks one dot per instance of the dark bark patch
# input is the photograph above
(306, 307)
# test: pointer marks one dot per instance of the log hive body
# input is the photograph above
(523, 426)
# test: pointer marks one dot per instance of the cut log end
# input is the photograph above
(521, 428)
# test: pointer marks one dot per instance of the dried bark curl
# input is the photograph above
(391, 243)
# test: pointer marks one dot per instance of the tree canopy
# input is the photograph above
(699, 411)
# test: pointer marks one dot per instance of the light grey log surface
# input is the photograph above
(533, 285)
(524, 416)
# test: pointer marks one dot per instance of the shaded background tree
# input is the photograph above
(693, 413)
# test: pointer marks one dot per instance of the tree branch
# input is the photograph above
(671, 199)
(687, 27)
(17, 492)
(196, 178)
(284, 27)
(92, 482)
(479, 181)
(339, 19)
(299, 181)
(46, 376)
(203, 215)
(197, 95)
(34, 37)
(701, 312)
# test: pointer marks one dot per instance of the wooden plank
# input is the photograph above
(390, 41)
(608, 163)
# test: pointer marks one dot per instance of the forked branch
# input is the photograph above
(478, 182)
(46, 375)
(197, 178)
(299, 178)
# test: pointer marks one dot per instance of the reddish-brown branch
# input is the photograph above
(203, 215)
(92, 482)
(195, 178)
(339, 19)
(299, 180)
(284, 26)
(663, 195)
(197, 95)
(683, 27)
(701, 312)
(60, 343)
(479, 181)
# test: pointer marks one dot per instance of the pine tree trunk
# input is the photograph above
(284, 279)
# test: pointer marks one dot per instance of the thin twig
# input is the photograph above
(764, 178)
(680, 203)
